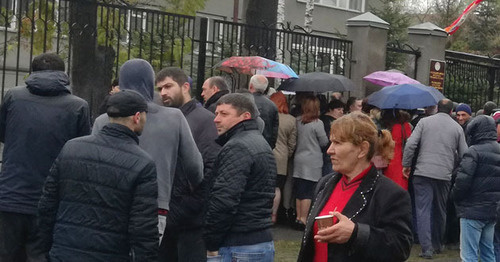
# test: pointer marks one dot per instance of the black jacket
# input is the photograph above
(381, 211)
(476, 190)
(269, 113)
(35, 122)
(187, 207)
(211, 103)
(99, 201)
(240, 201)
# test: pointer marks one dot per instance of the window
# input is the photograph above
(353, 5)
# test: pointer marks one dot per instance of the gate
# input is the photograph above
(472, 79)
(32, 27)
(402, 57)
(303, 52)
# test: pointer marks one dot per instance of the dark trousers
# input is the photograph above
(187, 245)
(430, 204)
(19, 239)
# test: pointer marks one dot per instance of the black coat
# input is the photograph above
(269, 113)
(35, 122)
(381, 211)
(211, 103)
(99, 201)
(187, 207)
(240, 201)
(476, 190)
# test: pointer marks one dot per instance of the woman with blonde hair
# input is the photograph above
(371, 214)
(308, 159)
(285, 146)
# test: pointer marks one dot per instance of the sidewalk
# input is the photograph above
(287, 242)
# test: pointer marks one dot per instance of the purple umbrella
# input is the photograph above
(389, 78)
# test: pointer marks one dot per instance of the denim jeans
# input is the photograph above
(496, 241)
(262, 252)
(476, 239)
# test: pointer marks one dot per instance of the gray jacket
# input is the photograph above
(308, 160)
(166, 136)
(440, 139)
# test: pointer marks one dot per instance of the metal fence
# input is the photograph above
(292, 46)
(472, 79)
(32, 27)
(402, 57)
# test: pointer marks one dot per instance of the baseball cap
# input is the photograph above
(125, 103)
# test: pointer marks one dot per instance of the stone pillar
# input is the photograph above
(368, 34)
(430, 40)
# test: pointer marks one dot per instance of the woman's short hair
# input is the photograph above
(358, 127)
(310, 109)
(280, 100)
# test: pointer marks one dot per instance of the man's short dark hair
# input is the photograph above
(240, 102)
(445, 106)
(218, 81)
(47, 61)
(177, 74)
(488, 107)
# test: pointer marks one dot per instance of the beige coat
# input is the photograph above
(285, 145)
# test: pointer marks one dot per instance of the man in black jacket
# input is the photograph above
(35, 122)
(213, 88)
(99, 201)
(238, 219)
(476, 191)
(183, 238)
(268, 110)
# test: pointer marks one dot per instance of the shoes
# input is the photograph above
(298, 225)
(427, 254)
(439, 250)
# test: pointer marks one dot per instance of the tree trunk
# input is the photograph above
(261, 13)
(308, 21)
(83, 21)
(279, 21)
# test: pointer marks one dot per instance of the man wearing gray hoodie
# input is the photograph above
(166, 136)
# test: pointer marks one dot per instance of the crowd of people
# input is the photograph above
(161, 176)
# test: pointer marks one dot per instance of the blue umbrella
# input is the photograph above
(405, 96)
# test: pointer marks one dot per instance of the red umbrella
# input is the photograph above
(252, 65)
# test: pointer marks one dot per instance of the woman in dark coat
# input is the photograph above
(372, 214)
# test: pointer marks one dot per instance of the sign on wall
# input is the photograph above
(436, 74)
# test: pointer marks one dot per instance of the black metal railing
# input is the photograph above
(472, 79)
(32, 27)
(303, 52)
(403, 57)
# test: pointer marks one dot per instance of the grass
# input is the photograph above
(287, 251)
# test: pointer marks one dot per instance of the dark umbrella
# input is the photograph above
(406, 96)
(318, 82)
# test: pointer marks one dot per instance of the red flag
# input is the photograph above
(455, 25)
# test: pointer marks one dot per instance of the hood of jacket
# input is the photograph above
(138, 75)
(481, 128)
(48, 83)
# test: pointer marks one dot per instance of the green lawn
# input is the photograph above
(287, 251)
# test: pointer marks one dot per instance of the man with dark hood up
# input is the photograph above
(476, 191)
(35, 122)
(166, 137)
(99, 201)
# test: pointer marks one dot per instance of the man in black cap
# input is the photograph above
(99, 201)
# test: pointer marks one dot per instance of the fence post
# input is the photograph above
(431, 41)
(491, 81)
(202, 54)
(363, 30)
